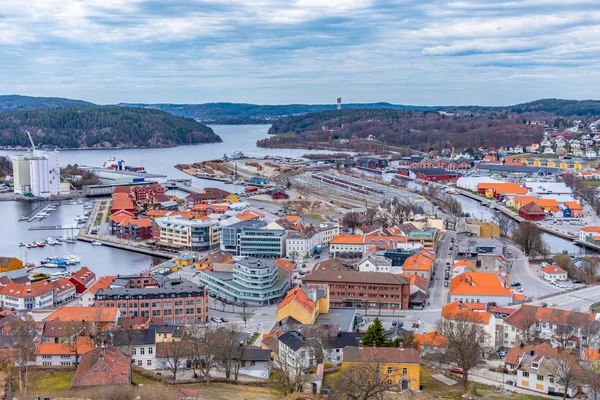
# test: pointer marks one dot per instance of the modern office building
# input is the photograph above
(252, 281)
(251, 239)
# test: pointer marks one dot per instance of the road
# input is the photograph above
(438, 294)
(578, 300)
(528, 275)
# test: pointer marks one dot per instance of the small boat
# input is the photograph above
(69, 240)
(61, 274)
(73, 203)
(51, 242)
(22, 244)
(96, 243)
(29, 245)
(40, 244)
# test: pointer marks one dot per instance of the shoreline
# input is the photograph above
(6, 148)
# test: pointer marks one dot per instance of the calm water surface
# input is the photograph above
(105, 260)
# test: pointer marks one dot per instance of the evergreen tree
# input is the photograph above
(375, 334)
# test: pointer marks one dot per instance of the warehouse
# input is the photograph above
(433, 174)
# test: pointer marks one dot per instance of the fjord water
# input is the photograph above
(105, 260)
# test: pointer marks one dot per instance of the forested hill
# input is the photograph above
(101, 127)
(246, 113)
(15, 102)
(421, 130)
(557, 107)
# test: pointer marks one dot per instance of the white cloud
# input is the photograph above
(300, 50)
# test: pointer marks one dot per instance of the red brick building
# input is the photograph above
(362, 289)
(176, 302)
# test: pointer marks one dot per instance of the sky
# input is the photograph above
(423, 52)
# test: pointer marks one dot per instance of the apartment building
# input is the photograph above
(186, 234)
(426, 238)
(37, 295)
(174, 301)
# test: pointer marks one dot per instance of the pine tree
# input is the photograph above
(375, 334)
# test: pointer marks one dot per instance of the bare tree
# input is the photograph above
(351, 220)
(371, 216)
(564, 370)
(23, 340)
(505, 224)
(287, 379)
(529, 335)
(71, 331)
(229, 350)
(99, 327)
(364, 381)
(246, 314)
(466, 340)
(529, 237)
(203, 348)
(175, 354)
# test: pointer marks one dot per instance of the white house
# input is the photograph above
(302, 243)
(374, 263)
(590, 153)
(541, 374)
(554, 273)
(36, 296)
(300, 349)
(479, 316)
(529, 321)
(589, 231)
(548, 150)
(346, 246)
(63, 354)
(141, 344)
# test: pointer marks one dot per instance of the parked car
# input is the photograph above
(502, 353)
(223, 319)
(515, 284)
(544, 304)
(576, 281)
(446, 284)
(457, 370)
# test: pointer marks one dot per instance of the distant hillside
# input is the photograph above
(241, 112)
(557, 107)
(421, 130)
(101, 127)
(15, 102)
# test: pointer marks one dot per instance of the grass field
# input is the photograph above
(58, 384)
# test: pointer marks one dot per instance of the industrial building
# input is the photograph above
(37, 173)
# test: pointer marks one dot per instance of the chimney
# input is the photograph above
(531, 353)
(522, 345)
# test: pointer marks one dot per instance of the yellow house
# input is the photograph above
(214, 257)
(231, 198)
(399, 367)
(8, 264)
(304, 304)
(168, 333)
(185, 260)
(537, 162)
(551, 163)
(487, 229)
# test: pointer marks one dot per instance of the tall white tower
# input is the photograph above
(339, 103)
